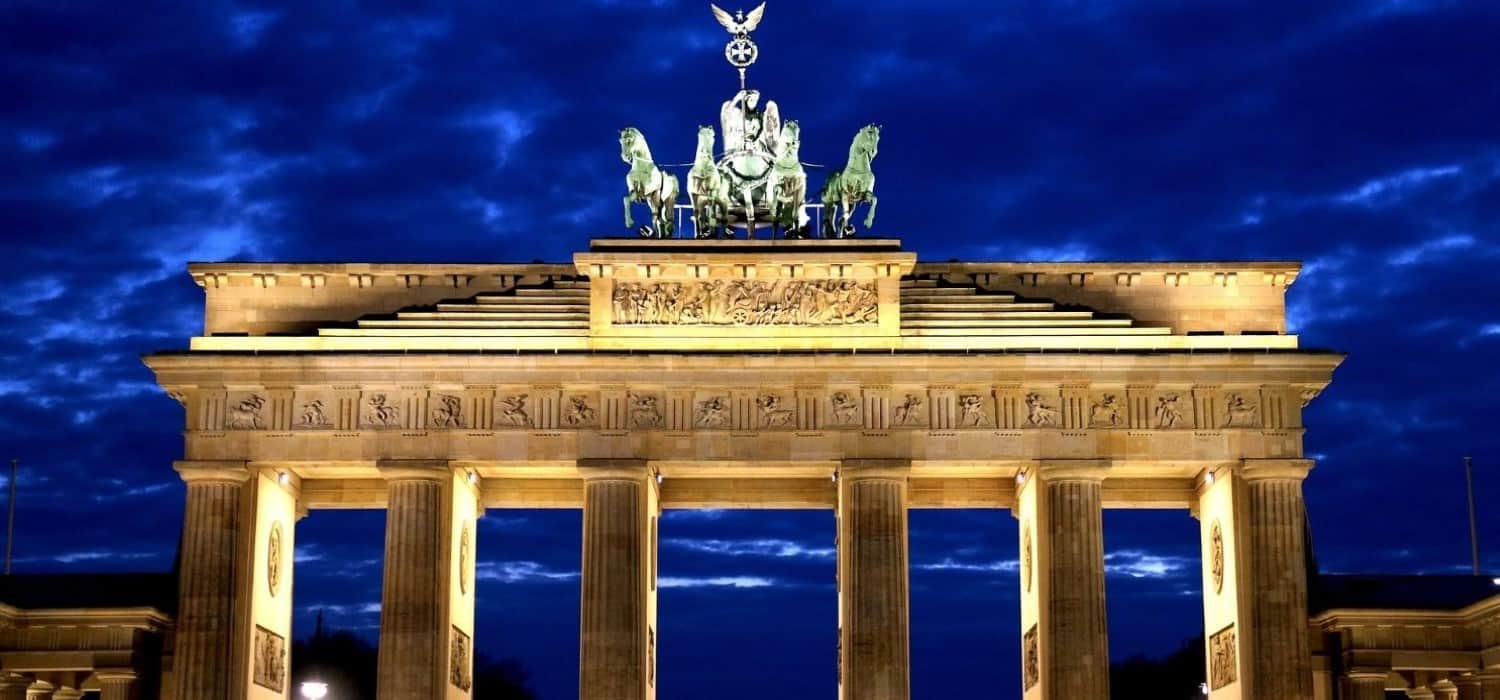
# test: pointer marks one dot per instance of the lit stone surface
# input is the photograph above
(212, 551)
(618, 615)
(873, 585)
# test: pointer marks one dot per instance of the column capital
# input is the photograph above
(1467, 680)
(227, 471)
(1421, 694)
(1274, 469)
(614, 469)
(866, 469)
(1367, 674)
(1049, 470)
(414, 469)
(116, 674)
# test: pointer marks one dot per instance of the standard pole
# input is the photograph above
(10, 520)
(1473, 522)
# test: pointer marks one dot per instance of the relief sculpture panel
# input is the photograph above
(745, 303)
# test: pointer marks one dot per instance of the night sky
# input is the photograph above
(1360, 137)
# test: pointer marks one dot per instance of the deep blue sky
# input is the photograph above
(1360, 137)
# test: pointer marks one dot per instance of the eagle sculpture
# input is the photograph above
(739, 24)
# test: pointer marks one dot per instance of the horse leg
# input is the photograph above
(870, 217)
(629, 222)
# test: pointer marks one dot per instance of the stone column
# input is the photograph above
(40, 690)
(617, 616)
(1255, 579)
(1468, 687)
(427, 598)
(874, 638)
(66, 693)
(1445, 690)
(1065, 639)
(1280, 659)
(1420, 694)
(116, 685)
(212, 551)
(1489, 684)
(13, 686)
(1366, 684)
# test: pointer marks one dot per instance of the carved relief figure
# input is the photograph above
(513, 410)
(745, 303)
(909, 412)
(380, 412)
(270, 660)
(1168, 412)
(1031, 668)
(1240, 412)
(449, 412)
(1026, 556)
(312, 415)
(245, 415)
(1216, 556)
(1038, 413)
(845, 408)
(1222, 658)
(713, 412)
(274, 559)
(643, 411)
(1106, 413)
(772, 415)
(579, 412)
(460, 672)
(971, 411)
(463, 559)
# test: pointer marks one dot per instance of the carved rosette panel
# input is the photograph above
(270, 660)
(1216, 556)
(1223, 658)
(745, 303)
(1031, 667)
(460, 668)
(275, 559)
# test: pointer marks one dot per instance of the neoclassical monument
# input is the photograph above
(653, 374)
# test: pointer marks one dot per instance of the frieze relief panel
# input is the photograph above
(831, 302)
(270, 660)
(1223, 660)
(625, 408)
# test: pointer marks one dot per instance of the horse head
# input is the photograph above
(633, 145)
(705, 143)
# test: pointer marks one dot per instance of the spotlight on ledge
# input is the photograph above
(658, 477)
(473, 477)
(313, 690)
(284, 478)
(1020, 478)
(1208, 479)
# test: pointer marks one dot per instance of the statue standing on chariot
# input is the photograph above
(758, 180)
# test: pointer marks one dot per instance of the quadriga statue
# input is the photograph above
(647, 183)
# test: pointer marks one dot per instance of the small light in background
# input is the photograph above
(473, 477)
(313, 690)
(834, 477)
(284, 478)
(658, 477)
(1208, 479)
(1496, 581)
(1020, 478)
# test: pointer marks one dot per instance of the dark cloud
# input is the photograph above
(1358, 136)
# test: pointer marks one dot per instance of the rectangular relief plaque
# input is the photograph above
(1223, 658)
(827, 302)
(270, 659)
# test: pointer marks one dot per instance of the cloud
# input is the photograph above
(775, 548)
(715, 582)
(522, 572)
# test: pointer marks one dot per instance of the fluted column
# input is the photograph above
(617, 635)
(1366, 684)
(1423, 693)
(1468, 687)
(13, 686)
(426, 615)
(1065, 637)
(1445, 690)
(1278, 653)
(1489, 684)
(66, 693)
(213, 545)
(117, 685)
(874, 638)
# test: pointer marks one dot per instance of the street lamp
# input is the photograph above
(313, 690)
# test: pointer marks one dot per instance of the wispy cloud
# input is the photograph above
(752, 548)
(522, 572)
(715, 582)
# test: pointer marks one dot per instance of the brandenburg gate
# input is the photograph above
(659, 373)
